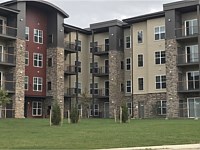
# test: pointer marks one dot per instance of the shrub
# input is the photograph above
(124, 114)
(56, 114)
(74, 115)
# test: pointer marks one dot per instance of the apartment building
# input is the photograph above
(149, 62)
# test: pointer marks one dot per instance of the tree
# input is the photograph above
(4, 100)
(74, 115)
(56, 114)
(85, 101)
(124, 114)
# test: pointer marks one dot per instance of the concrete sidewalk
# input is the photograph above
(165, 147)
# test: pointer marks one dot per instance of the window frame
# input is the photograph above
(128, 42)
(27, 58)
(129, 86)
(38, 84)
(27, 33)
(161, 82)
(128, 64)
(161, 107)
(141, 85)
(140, 32)
(130, 109)
(96, 88)
(140, 61)
(159, 33)
(160, 60)
(36, 35)
(38, 61)
(37, 109)
(26, 83)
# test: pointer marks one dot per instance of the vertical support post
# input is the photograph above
(5, 112)
(76, 69)
(69, 121)
(120, 114)
(93, 73)
(115, 115)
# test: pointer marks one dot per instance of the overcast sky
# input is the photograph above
(85, 12)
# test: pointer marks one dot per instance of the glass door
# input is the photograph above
(191, 27)
(192, 54)
(193, 107)
(193, 80)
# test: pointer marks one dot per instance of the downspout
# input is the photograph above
(76, 66)
(93, 73)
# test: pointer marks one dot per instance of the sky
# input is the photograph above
(82, 13)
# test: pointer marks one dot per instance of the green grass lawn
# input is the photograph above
(96, 133)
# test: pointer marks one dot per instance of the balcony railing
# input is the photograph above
(8, 31)
(101, 71)
(6, 58)
(102, 93)
(8, 86)
(70, 69)
(101, 49)
(70, 92)
(188, 86)
(186, 31)
(186, 59)
(71, 47)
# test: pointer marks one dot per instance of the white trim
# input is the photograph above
(142, 36)
(38, 84)
(38, 42)
(26, 83)
(128, 86)
(27, 52)
(37, 109)
(187, 77)
(129, 64)
(159, 32)
(2, 53)
(138, 83)
(142, 60)
(185, 25)
(38, 54)
(27, 33)
(126, 42)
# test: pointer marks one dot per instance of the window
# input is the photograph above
(38, 36)
(193, 105)
(106, 44)
(160, 57)
(96, 110)
(49, 86)
(78, 66)
(128, 64)
(38, 60)
(37, 109)
(162, 107)
(95, 67)
(140, 36)
(191, 27)
(128, 42)
(96, 88)
(79, 87)
(27, 33)
(193, 80)
(50, 62)
(96, 49)
(128, 86)
(140, 61)
(37, 84)
(122, 65)
(78, 45)
(50, 38)
(192, 54)
(26, 80)
(129, 106)
(159, 33)
(160, 82)
(26, 58)
(140, 84)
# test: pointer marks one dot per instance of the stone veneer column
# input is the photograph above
(19, 74)
(115, 79)
(172, 78)
(55, 75)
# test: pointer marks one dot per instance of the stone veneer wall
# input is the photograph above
(116, 77)
(172, 78)
(19, 73)
(55, 75)
(149, 103)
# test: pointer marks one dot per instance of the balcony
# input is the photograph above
(8, 86)
(8, 32)
(70, 70)
(70, 92)
(7, 59)
(188, 59)
(102, 93)
(101, 50)
(101, 71)
(188, 86)
(186, 33)
(70, 47)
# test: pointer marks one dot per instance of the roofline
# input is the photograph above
(39, 1)
(145, 17)
(9, 9)
(74, 28)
